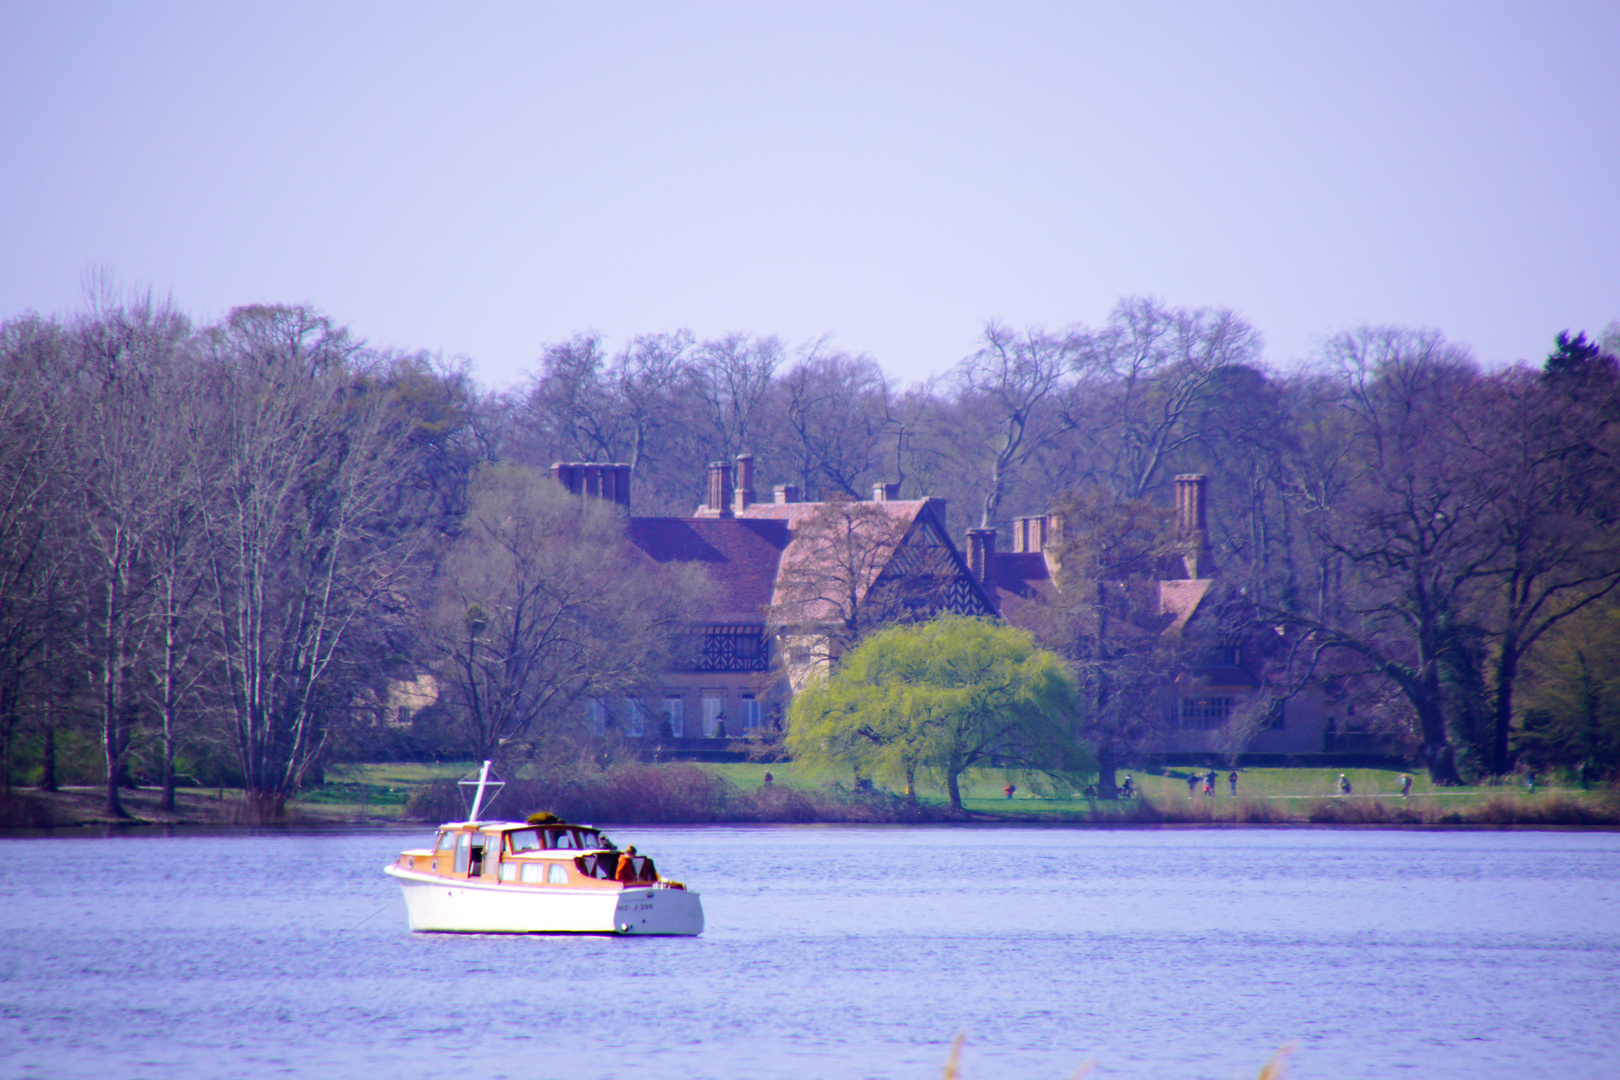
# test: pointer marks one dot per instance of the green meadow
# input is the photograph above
(381, 791)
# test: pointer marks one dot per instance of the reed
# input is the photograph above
(674, 793)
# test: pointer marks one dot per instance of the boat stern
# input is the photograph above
(658, 910)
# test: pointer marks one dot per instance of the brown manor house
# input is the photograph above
(735, 683)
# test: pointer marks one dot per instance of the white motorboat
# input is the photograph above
(538, 876)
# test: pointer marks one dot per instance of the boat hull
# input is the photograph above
(435, 903)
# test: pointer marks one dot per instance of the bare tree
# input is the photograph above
(124, 360)
(543, 605)
(305, 548)
(36, 529)
(1408, 524)
(1007, 385)
(1106, 622)
(837, 409)
(1141, 380)
(1555, 516)
(731, 379)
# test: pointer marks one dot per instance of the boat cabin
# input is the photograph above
(545, 855)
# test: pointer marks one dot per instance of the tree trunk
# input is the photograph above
(952, 776)
(1107, 763)
(1507, 671)
(47, 761)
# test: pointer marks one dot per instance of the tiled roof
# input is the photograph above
(746, 554)
(902, 512)
(1020, 580)
(741, 556)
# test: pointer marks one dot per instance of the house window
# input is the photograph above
(714, 706)
(596, 715)
(1205, 714)
(750, 712)
(635, 719)
(674, 715)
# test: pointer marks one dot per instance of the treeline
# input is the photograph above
(224, 549)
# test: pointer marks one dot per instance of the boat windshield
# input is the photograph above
(557, 839)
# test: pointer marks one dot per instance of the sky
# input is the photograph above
(480, 179)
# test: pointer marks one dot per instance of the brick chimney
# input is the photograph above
(1192, 525)
(608, 481)
(885, 492)
(717, 502)
(786, 493)
(745, 482)
(982, 554)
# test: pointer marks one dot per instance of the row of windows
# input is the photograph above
(1205, 714)
(642, 717)
(1208, 713)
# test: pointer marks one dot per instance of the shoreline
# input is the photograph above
(82, 808)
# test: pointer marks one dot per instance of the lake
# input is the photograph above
(831, 952)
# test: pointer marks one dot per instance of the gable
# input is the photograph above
(928, 566)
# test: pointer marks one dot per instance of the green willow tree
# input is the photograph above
(941, 698)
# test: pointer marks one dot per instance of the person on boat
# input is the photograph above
(627, 865)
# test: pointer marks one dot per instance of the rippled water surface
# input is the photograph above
(832, 952)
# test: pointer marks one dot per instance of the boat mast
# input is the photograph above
(478, 798)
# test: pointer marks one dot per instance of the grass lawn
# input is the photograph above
(377, 790)
(1292, 791)
(381, 790)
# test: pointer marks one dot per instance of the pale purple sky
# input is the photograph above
(479, 179)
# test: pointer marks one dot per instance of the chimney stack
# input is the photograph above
(982, 553)
(717, 503)
(608, 481)
(1192, 525)
(745, 482)
(786, 493)
(885, 492)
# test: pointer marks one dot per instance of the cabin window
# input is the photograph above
(533, 873)
(526, 840)
(463, 852)
(557, 874)
(564, 838)
(509, 871)
(447, 841)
